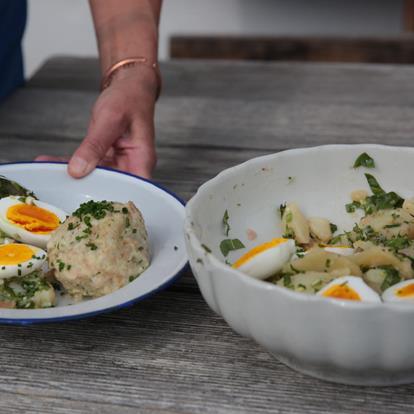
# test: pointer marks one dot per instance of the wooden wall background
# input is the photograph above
(379, 49)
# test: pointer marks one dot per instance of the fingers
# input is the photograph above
(106, 126)
(139, 152)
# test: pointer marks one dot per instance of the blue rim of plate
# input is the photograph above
(166, 285)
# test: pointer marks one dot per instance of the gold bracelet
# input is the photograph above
(129, 62)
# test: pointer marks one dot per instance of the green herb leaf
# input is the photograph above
(380, 200)
(398, 243)
(229, 245)
(333, 227)
(92, 246)
(364, 160)
(61, 266)
(373, 185)
(206, 248)
(97, 209)
(391, 226)
(287, 281)
(226, 223)
(392, 277)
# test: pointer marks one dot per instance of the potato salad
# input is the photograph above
(371, 262)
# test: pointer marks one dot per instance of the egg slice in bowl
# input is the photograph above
(266, 259)
(400, 292)
(349, 288)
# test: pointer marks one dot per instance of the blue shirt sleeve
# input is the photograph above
(12, 23)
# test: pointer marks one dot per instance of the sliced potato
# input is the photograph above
(340, 240)
(408, 206)
(375, 278)
(359, 195)
(44, 298)
(307, 282)
(318, 260)
(320, 228)
(390, 223)
(380, 256)
(363, 245)
(295, 224)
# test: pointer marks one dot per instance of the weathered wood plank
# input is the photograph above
(223, 123)
(64, 73)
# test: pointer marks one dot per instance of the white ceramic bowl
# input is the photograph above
(341, 341)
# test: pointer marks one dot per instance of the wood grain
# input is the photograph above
(171, 353)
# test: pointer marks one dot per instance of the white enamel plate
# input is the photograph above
(163, 214)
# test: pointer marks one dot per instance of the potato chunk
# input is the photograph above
(308, 282)
(408, 206)
(359, 195)
(390, 223)
(320, 228)
(379, 256)
(318, 260)
(375, 278)
(295, 224)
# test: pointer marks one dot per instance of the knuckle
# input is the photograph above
(94, 147)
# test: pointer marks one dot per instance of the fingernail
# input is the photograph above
(79, 166)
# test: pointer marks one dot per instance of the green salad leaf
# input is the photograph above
(226, 223)
(380, 200)
(11, 188)
(364, 160)
(392, 277)
(228, 245)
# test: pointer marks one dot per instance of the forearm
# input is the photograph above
(126, 28)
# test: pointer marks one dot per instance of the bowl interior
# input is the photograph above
(318, 179)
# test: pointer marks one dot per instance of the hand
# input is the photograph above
(121, 130)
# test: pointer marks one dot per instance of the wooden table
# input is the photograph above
(171, 353)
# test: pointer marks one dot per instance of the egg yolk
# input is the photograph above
(342, 291)
(33, 218)
(13, 254)
(257, 250)
(406, 291)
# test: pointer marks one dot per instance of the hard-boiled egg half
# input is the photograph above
(402, 291)
(266, 259)
(349, 288)
(29, 220)
(18, 259)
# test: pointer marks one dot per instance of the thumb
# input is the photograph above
(104, 129)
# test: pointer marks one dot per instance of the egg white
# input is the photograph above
(355, 283)
(341, 250)
(25, 267)
(18, 233)
(390, 294)
(270, 261)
